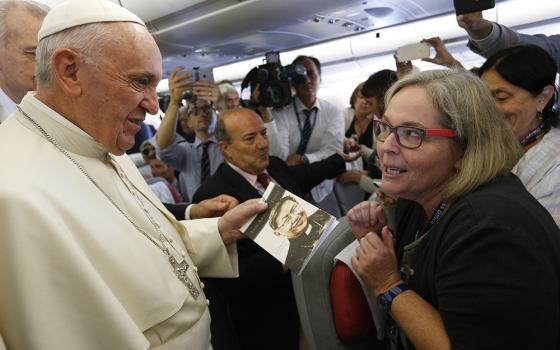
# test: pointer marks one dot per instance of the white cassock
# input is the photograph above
(74, 272)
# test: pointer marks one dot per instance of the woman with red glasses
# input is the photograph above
(474, 259)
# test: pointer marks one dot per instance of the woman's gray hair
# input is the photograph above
(34, 8)
(489, 147)
(87, 40)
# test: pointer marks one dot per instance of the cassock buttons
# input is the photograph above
(202, 285)
(207, 302)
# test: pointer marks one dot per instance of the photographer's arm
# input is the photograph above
(178, 83)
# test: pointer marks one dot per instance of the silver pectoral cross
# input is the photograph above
(180, 269)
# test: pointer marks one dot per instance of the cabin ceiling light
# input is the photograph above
(379, 11)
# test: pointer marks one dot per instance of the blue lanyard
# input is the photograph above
(436, 216)
(533, 135)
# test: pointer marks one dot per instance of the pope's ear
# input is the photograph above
(66, 64)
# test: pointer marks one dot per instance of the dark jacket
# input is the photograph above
(258, 309)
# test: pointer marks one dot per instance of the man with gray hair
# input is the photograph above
(19, 24)
(229, 97)
(90, 258)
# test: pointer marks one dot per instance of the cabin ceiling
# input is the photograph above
(210, 33)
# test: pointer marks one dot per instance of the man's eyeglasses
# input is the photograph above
(408, 136)
(290, 217)
(201, 110)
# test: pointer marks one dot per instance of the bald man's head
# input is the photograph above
(243, 140)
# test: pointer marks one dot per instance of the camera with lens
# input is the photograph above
(274, 80)
(189, 96)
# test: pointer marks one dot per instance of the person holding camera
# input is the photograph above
(486, 38)
(308, 129)
(198, 160)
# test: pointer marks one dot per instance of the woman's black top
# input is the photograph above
(490, 266)
(366, 138)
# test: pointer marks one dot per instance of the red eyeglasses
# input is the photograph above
(408, 136)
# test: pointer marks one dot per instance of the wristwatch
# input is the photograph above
(384, 300)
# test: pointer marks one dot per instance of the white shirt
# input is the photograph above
(539, 170)
(327, 137)
(7, 106)
(251, 179)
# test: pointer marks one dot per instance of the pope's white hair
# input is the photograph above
(87, 40)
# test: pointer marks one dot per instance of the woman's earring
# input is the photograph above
(539, 115)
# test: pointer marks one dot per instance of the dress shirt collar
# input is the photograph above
(198, 142)
(7, 105)
(251, 179)
(300, 106)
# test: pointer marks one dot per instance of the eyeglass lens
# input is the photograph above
(407, 136)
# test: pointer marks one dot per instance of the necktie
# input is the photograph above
(262, 178)
(204, 163)
(176, 195)
(307, 130)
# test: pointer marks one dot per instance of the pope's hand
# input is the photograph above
(229, 225)
(213, 207)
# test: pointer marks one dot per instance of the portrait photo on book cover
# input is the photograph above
(289, 228)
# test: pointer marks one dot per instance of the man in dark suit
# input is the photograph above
(290, 219)
(256, 310)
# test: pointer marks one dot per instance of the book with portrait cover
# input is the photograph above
(290, 229)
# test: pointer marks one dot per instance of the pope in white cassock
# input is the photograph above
(89, 258)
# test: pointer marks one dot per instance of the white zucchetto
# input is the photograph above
(74, 13)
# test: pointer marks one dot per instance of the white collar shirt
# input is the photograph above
(251, 179)
(284, 132)
(7, 106)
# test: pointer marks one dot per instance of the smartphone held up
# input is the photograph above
(200, 74)
(413, 51)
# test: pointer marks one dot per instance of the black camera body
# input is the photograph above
(274, 80)
(468, 6)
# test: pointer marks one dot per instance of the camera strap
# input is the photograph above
(306, 127)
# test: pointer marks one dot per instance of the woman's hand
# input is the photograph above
(443, 57)
(376, 262)
(366, 217)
